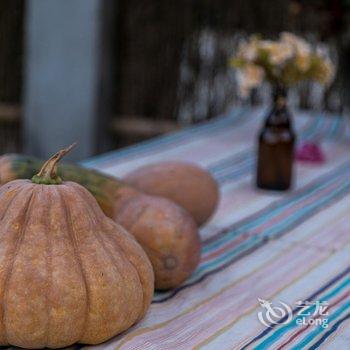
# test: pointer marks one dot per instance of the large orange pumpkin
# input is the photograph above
(68, 273)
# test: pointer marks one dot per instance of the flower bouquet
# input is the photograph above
(283, 62)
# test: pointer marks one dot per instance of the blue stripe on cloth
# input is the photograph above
(237, 158)
(334, 128)
(315, 128)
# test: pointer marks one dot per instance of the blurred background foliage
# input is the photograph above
(171, 60)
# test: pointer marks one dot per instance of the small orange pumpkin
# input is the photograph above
(186, 184)
(166, 232)
(68, 273)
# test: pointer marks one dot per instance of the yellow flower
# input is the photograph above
(278, 52)
(303, 62)
(248, 50)
(326, 71)
(301, 46)
(302, 50)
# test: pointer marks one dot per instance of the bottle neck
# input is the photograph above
(279, 115)
(279, 96)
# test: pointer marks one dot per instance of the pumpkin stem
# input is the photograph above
(48, 173)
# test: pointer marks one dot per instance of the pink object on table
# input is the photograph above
(310, 152)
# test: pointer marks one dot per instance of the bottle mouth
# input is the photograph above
(280, 102)
(279, 91)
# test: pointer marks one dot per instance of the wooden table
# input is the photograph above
(290, 247)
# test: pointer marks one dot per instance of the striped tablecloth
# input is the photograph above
(291, 247)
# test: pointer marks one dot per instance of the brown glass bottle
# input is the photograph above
(276, 146)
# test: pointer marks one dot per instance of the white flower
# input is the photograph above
(300, 45)
(279, 52)
(327, 72)
(303, 62)
(249, 77)
(248, 50)
(302, 50)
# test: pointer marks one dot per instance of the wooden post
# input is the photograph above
(64, 80)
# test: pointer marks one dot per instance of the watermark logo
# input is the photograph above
(273, 314)
(306, 313)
